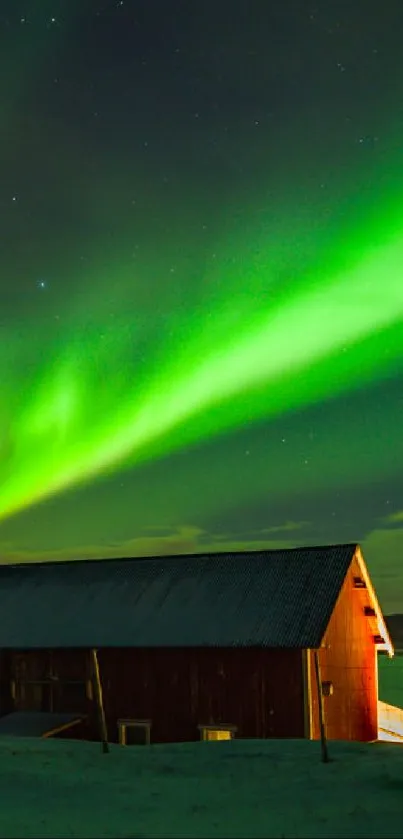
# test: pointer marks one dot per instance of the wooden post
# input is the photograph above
(325, 754)
(99, 700)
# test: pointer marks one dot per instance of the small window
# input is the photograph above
(217, 732)
(134, 732)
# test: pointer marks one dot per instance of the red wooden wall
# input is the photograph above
(258, 690)
(348, 660)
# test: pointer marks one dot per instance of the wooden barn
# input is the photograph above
(256, 644)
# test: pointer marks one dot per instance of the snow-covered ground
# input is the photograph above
(255, 788)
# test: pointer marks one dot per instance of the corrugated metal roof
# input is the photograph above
(267, 598)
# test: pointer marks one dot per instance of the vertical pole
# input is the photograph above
(51, 677)
(325, 754)
(99, 700)
(307, 685)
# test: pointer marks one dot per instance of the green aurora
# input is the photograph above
(240, 359)
(201, 298)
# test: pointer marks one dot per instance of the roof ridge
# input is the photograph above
(181, 556)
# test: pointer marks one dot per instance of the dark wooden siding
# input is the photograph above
(46, 680)
(259, 691)
(348, 660)
(6, 700)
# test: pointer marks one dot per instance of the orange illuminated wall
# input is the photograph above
(348, 661)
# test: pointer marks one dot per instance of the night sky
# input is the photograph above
(201, 284)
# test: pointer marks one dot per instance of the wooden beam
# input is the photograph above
(307, 685)
(323, 741)
(61, 728)
(99, 700)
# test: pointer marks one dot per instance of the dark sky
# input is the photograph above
(201, 285)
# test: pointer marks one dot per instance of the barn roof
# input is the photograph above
(266, 598)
